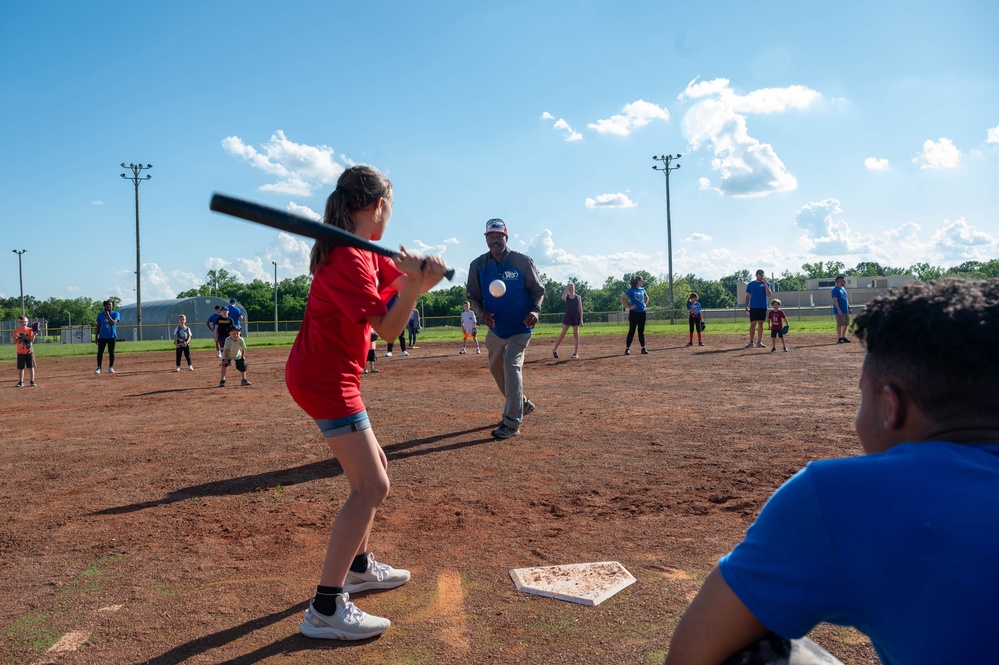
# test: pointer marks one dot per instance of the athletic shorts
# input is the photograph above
(25, 360)
(240, 364)
(355, 422)
(467, 335)
(842, 319)
(757, 313)
(779, 332)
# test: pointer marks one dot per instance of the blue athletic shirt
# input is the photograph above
(839, 294)
(107, 326)
(695, 308)
(901, 545)
(636, 295)
(757, 294)
(524, 291)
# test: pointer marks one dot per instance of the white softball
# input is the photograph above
(497, 288)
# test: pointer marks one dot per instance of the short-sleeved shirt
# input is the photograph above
(468, 321)
(900, 545)
(233, 348)
(695, 309)
(212, 319)
(323, 373)
(757, 291)
(23, 338)
(107, 325)
(223, 325)
(839, 295)
(182, 334)
(777, 319)
(235, 315)
(636, 297)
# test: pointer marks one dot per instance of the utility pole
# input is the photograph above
(20, 275)
(136, 169)
(274, 263)
(667, 169)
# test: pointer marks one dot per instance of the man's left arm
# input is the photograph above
(716, 625)
(532, 282)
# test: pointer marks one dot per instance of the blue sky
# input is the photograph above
(863, 131)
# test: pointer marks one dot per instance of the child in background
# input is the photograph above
(778, 322)
(24, 338)
(182, 340)
(694, 322)
(468, 328)
(234, 349)
(372, 356)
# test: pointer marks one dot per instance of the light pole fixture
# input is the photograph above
(70, 315)
(666, 168)
(274, 263)
(136, 169)
(20, 275)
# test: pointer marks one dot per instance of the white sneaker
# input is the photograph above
(478, 351)
(405, 353)
(219, 354)
(111, 369)
(388, 353)
(347, 623)
(462, 352)
(178, 369)
(97, 371)
(377, 576)
(190, 367)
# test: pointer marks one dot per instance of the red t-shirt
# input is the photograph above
(324, 367)
(776, 319)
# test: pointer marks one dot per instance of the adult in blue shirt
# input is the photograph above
(211, 326)
(841, 308)
(234, 313)
(634, 300)
(510, 317)
(107, 334)
(757, 301)
(901, 542)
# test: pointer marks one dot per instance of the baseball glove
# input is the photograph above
(783, 331)
(701, 326)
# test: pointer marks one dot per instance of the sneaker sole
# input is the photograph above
(331, 633)
(368, 586)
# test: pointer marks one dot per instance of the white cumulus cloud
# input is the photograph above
(942, 154)
(717, 121)
(618, 200)
(699, 237)
(562, 126)
(636, 114)
(304, 211)
(875, 164)
(992, 135)
(299, 169)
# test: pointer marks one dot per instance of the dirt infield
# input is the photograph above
(152, 517)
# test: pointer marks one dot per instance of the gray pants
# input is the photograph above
(506, 361)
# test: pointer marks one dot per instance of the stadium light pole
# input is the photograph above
(666, 168)
(136, 169)
(274, 263)
(20, 275)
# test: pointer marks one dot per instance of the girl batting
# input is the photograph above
(350, 288)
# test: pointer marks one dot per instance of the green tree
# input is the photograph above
(730, 284)
(820, 270)
(924, 272)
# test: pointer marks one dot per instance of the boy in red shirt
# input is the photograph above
(23, 338)
(778, 324)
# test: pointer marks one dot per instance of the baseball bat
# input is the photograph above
(299, 226)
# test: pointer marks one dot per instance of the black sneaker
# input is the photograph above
(645, 351)
(505, 432)
(690, 343)
(20, 384)
(840, 340)
(529, 407)
(244, 382)
(846, 341)
(627, 352)
(700, 344)
(555, 353)
(222, 384)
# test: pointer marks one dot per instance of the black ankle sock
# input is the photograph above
(360, 563)
(325, 600)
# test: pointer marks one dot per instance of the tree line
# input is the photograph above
(257, 297)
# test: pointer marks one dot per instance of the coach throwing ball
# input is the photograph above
(510, 317)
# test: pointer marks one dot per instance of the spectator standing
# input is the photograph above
(634, 300)
(24, 340)
(107, 335)
(841, 308)
(757, 294)
(573, 317)
(510, 317)
(211, 326)
(414, 327)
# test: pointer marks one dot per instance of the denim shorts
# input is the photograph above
(355, 422)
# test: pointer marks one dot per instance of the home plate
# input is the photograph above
(584, 583)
